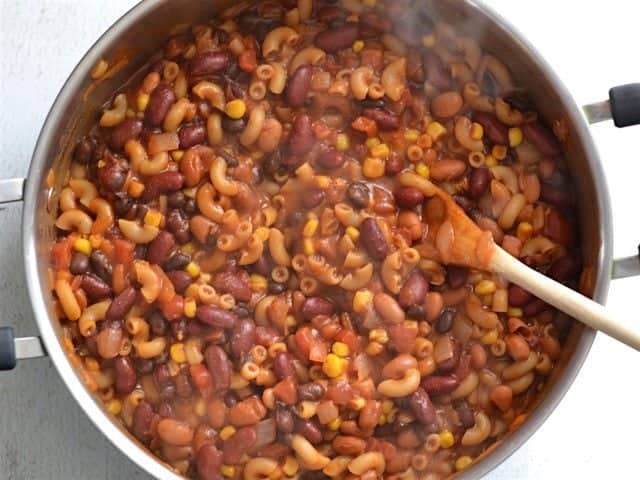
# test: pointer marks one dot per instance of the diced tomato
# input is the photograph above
(349, 338)
(285, 391)
(247, 61)
(174, 308)
(304, 338)
(340, 393)
(124, 251)
(318, 351)
(365, 125)
(61, 255)
(200, 376)
(402, 338)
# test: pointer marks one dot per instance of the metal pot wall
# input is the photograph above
(141, 32)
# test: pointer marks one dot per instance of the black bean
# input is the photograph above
(157, 323)
(101, 265)
(79, 263)
(177, 261)
(445, 321)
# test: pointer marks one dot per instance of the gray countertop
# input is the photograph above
(592, 434)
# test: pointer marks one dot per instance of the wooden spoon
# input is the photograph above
(461, 242)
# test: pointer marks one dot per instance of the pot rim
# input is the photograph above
(124, 442)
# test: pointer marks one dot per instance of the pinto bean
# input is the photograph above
(373, 239)
(335, 39)
(121, 304)
(298, 86)
(495, 131)
(422, 407)
(219, 367)
(247, 412)
(448, 169)
(386, 120)
(408, 197)
(243, 337)
(208, 63)
(126, 378)
(216, 316)
(414, 290)
(165, 182)
(160, 101)
(240, 442)
(348, 445)
(314, 306)
(301, 138)
(447, 104)
(369, 415)
(95, 288)
(128, 129)
(175, 432)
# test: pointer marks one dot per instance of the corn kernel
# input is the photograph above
(373, 167)
(235, 109)
(342, 142)
(290, 466)
(114, 406)
(258, 283)
(95, 241)
(436, 131)
(142, 101)
(200, 407)
(463, 462)
(423, 170)
(262, 233)
(446, 439)
(515, 137)
(341, 349)
(227, 432)
(387, 406)
(177, 155)
(477, 132)
(192, 291)
(82, 245)
(378, 335)
(228, 470)
(369, 3)
(193, 269)
(380, 151)
(153, 218)
(382, 420)
(429, 40)
(362, 301)
(353, 233)
(490, 161)
(357, 403)
(310, 227)
(372, 142)
(490, 337)
(333, 366)
(135, 189)
(323, 181)
(411, 135)
(334, 424)
(515, 312)
(177, 353)
(358, 45)
(499, 152)
(373, 349)
(307, 246)
(92, 364)
(189, 248)
(524, 231)
(190, 307)
(485, 287)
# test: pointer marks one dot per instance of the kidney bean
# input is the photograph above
(331, 160)
(113, 173)
(542, 138)
(559, 197)
(180, 280)
(160, 101)
(446, 104)
(414, 290)
(208, 63)
(242, 338)
(373, 239)
(517, 347)
(402, 337)
(565, 268)
(219, 367)
(311, 391)
(335, 39)
(359, 194)
(238, 444)
(534, 307)
(160, 247)
(208, 462)
(445, 321)
(558, 228)
(301, 138)
(84, 151)
(175, 432)
(190, 135)
(457, 276)
(440, 385)
(177, 261)
(495, 131)
(422, 407)
(479, 181)
(394, 165)
(518, 296)
(125, 375)
(234, 283)
(309, 430)
(144, 366)
(79, 263)
(298, 86)
(385, 119)
(121, 305)
(129, 129)
(216, 316)
(161, 375)
(314, 306)
(408, 197)
(95, 288)
(465, 413)
(447, 169)
(370, 415)
(283, 365)
(141, 421)
(285, 421)
(247, 412)
(312, 198)
(265, 336)
(165, 182)
(183, 386)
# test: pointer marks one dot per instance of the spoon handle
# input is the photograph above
(563, 298)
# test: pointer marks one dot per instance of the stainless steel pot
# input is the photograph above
(140, 33)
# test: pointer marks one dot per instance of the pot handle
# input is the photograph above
(12, 348)
(623, 107)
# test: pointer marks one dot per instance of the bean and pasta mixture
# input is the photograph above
(246, 266)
